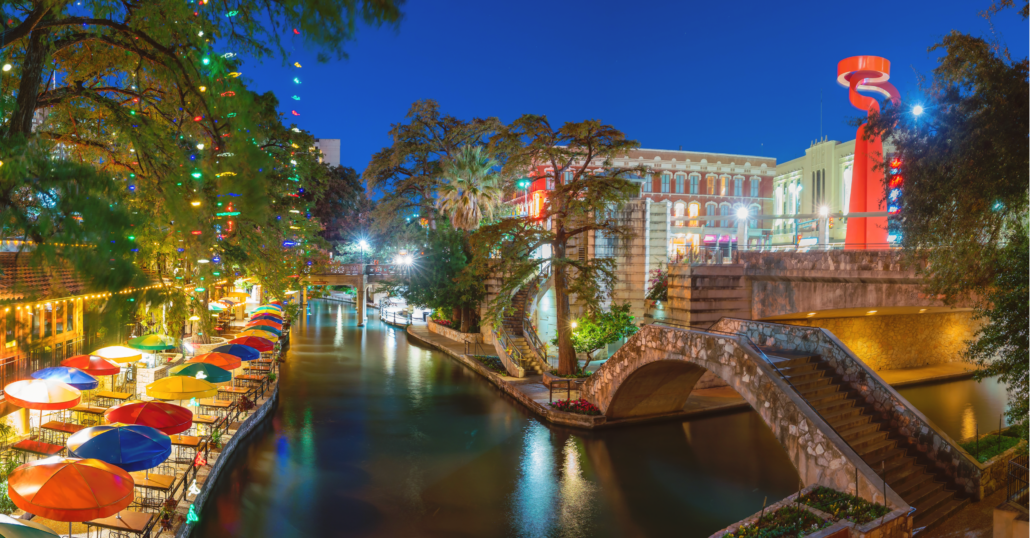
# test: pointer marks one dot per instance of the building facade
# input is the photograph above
(330, 148)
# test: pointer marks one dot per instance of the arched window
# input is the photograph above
(724, 212)
(754, 186)
(665, 182)
(695, 208)
(695, 180)
(711, 184)
(710, 211)
(738, 186)
(679, 183)
(754, 210)
(679, 208)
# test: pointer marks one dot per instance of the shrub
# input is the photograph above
(844, 505)
(990, 446)
(579, 407)
(787, 522)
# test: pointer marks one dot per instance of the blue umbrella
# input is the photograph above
(72, 376)
(245, 353)
(129, 446)
(266, 317)
(273, 330)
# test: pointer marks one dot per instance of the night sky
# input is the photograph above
(725, 77)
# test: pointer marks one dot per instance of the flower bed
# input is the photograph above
(990, 446)
(787, 522)
(492, 363)
(844, 505)
(580, 374)
(579, 407)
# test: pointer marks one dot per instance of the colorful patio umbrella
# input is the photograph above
(259, 343)
(260, 334)
(245, 353)
(130, 446)
(179, 387)
(201, 370)
(119, 354)
(274, 330)
(70, 489)
(273, 308)
(269, 317)
(169, 418)
(275, 324)
(42, 394)
(224, 361)
(92, 365)
(153, 342)
(72, 376)
(23, 528)
(215, 307)
(239, 295)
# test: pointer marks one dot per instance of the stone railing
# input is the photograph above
(920, 431)
(457, 336)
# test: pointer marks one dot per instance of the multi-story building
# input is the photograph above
(330, 148)
(821, 178)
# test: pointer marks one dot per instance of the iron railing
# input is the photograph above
(396, 318)
(1016, 482)
(510, 349)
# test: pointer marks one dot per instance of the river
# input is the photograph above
(376, 436)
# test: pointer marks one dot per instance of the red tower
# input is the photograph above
(866, 73)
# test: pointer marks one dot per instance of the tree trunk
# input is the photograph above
(466, 318)
(590, 358)
(28, 89)
(566, 353)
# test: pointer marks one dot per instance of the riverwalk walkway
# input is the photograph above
(532, 392)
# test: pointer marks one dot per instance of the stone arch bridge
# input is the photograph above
(361, 276)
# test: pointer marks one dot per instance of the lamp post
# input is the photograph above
(363, 246)
(742, 215)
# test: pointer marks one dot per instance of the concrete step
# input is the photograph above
(849, 421)
(818, 391)
(874, 449)
(918, 487)
(858, 431)
(886, 456)
(863, 440)
(841, 414)
(925, 521)
(930, 502)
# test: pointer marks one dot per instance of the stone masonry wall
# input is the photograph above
(819, 454)
(457, 336)
(935, 445)
(906, 341)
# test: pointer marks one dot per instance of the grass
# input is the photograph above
(787, 522)
(990, 446)
(492, 363)
(580, 374)
(844, 505)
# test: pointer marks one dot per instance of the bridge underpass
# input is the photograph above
(830, 412)
(362, 277)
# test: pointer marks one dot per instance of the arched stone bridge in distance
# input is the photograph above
(360, 276)
(655, 371)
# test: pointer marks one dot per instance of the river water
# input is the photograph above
(375, 436)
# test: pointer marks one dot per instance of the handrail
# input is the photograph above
(1017, 486)
(532, 339)
(509, 348)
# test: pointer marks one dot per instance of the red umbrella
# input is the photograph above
(168, 418)
(224, 361)
(258, 343)
(265, 323)
(92, 365)
(70, 489)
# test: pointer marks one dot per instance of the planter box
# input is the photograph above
(993, 472)
(457, 336)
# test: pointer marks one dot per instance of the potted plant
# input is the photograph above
(216, 439)
(168, 516)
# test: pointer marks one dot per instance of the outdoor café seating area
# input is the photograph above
(120, 463)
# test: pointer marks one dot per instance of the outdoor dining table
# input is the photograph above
(219, 406)
(96, 410)
(258, 368)
(206, 420)
(184, 441)
(153, 485)
(250, 378)
(106, 396)
(262, 361)
(234, 392)
(58, 428)
(29, 446)
(124, 521)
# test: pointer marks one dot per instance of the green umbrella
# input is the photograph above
(153, 342)
(24, 528)
(201, 370)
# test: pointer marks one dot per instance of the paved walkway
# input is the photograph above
(927, 374)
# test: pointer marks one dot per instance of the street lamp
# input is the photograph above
(742, 215)
(917, 110)
(363, 246)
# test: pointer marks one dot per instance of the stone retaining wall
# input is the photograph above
(994, 472)
(457, 336)
(936, 445)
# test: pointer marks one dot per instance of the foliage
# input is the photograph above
(246, 404)
(964, 196)
(169, 515)
(579, 205)
(844, 505)
(471, 191)
(7, 467)
(272, 377)
(580, 373)
(990, 446)
(787, 522)
(492, 363)
(600, 328)
(658, 285)
(216, 438)
(337, 201)
(579, 407)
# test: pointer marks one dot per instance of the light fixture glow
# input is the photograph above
(917, 110)
(8, 67)
(742, 213)
(824, 211)
(871, 312)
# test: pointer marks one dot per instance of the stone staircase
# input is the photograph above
(906, 471)
(531, 363)
(513, 321)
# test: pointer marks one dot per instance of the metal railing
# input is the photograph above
(357, 269)
(510, 349)
(1017, 482)
(395, 318)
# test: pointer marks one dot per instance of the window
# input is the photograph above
(646, 185)
(665, 182)
(71, 317)
(35, 313)
(694, 181)
(738, 186)
(679, 208)
(724, 185)
(710, 213)
(724, 211)
(754, 186)
(679, 184)
(567, 179)
(694, 209)
(753, 210)
(550, 182)
(711, 184)
(59, 321)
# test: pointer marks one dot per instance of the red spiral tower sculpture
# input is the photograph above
(866, 73)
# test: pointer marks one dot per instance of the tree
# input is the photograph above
(963, 198)
(471, 191)
(578, 159)
(339, 200)
(600, 328)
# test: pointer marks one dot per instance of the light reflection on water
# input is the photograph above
(960, 407)
(374, 436)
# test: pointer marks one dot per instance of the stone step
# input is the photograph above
(902, 471)
(929, 502)
(818, 391)
(863, 440)
(924, 521)
(917, 487)
(841, 413)
(849, 421)
(826, 398)
(856, 432)
(886, 456)
(831, 405)
(876, 448)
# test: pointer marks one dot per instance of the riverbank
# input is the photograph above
(531, 392)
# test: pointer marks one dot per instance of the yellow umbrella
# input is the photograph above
(180, 387)
(260, 334)
(238, 295)
(119, 354)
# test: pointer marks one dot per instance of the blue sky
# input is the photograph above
(725, 77)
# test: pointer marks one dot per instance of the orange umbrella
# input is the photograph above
(224, 361)
(42, 394)
(70, 489)
(265, 323)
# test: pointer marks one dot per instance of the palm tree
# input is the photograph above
(471, 189)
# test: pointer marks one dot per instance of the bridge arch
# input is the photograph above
(655, 371)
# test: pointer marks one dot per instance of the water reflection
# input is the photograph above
(375, 436)
(960, 407)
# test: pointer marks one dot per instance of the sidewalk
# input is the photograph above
(927, 374)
